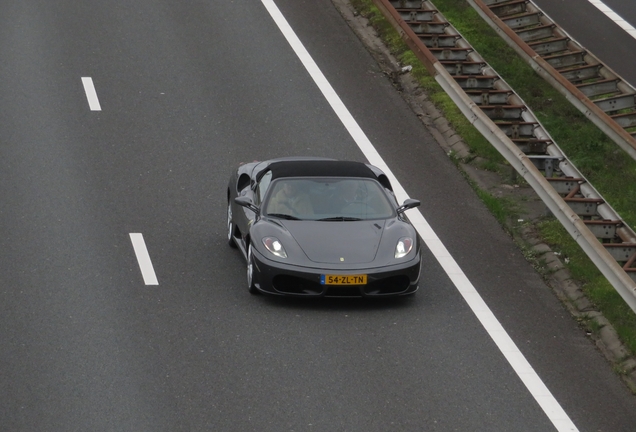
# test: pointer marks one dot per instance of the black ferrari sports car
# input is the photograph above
(322, 227)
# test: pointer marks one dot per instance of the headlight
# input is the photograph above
(273, 245)
(404, 246)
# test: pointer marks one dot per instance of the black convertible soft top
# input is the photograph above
(320, 168)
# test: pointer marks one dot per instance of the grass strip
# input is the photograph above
(600, 160)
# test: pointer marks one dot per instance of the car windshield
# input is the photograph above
(327, 199)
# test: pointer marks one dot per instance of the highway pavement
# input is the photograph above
(598, 32)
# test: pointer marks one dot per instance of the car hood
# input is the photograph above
(334, 242)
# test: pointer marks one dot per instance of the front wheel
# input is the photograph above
(251, 286)
(230, 226)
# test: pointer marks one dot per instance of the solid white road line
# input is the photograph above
(91, 94)
(614, 17)
(524, 370)
(145, 265)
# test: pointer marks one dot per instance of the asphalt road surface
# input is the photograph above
(597, 32)
(187, 90)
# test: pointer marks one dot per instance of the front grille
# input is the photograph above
(390, 285)
(344, 291)
(286, 284)
(294, 285)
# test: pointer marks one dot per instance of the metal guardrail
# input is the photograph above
(592, 87)
(493, 107)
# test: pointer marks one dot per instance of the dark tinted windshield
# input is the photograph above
(327, 199)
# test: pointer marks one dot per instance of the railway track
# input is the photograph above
(509, 124)
(593, 87)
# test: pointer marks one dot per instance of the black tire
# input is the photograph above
(230, 226)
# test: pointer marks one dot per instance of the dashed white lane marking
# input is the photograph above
(91, 94)
(614, 17)
(145, 265)
(515, 358)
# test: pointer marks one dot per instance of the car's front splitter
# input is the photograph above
(275, 277)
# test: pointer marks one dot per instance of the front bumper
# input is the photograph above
(274, 277)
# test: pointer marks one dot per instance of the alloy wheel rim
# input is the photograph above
(229, 221)
(249, 267)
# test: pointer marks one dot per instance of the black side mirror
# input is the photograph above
(246, 202)
(408, 204)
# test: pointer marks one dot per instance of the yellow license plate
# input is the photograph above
(343, 279)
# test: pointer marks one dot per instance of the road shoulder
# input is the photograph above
(524, 230)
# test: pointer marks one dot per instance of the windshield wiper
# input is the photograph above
(283, 216)
(339, 219)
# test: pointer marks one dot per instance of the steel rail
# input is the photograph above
(591, 86)
(493, 107)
